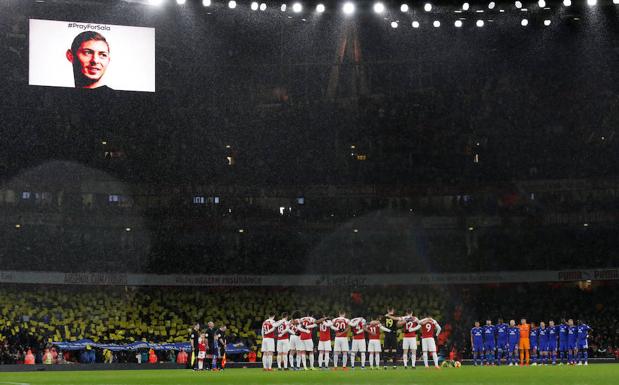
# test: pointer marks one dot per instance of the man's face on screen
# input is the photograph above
(90, 62)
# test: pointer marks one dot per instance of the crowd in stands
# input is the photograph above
(34, 317)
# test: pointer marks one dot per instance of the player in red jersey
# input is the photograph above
(341, 325)
(307, 343)
(283, 342)
(324, 341)
(410, 324)
(358, 341)
(429, 329)
(374, 328)
(296, 345)
(269, 326)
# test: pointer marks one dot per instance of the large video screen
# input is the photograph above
(91, 56)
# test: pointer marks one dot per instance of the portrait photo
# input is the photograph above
(91, 56)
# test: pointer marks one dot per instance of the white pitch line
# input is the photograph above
(15, 383)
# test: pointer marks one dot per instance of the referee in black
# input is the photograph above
(391, 340)
(194, 337)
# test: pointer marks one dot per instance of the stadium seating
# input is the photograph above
(35, 316)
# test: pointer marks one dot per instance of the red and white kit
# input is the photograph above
(295, 336)
(358, 335)
(374, 337)
(429, 329)
(411, 325)
(283, 340)
(269, 327)
(307, 343)
(341, 326)
(324, 336)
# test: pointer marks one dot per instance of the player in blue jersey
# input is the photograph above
(553, 333)
(489, 342)
(582, 347)
(572, 334)
(513, 339)
(563, 329)
(501, 341)
(534, 345)
(477, 343)
(542, 344)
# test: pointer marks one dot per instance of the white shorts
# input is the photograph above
(268, 345)
(409, 343)
(324, 346)
(307, 345)
(374, 346)
(428, 345)
(201, 355)
(341, 344)
(295, 343)
(358, 346)
(283, 346)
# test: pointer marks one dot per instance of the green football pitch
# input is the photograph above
(600, 374)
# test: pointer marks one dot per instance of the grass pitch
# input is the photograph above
(600, 374)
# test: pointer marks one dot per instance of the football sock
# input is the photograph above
(425, 359)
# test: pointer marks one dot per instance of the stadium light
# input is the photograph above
(232, 4)
(547, 22)
(379, 7)
(518, 4)
(394, 24)
(348, 8)
(466, 6)
(524, 22)
(404, 8)
(541, 3)
(155, 2)
(206, 3)
(458, 23)
(491, 5)
(427, 7)
(283, 8)
(254, 6)
(180, 2)
(480, 23)
(415, 24)
(297, 7)
(263, 7)
(592, 3)
(436, 24)
(615, 2)
(567, 3)
(320, 8)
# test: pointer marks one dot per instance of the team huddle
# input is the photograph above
(295, 340)
(491, 344)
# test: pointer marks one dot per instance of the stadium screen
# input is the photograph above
(88, 55)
